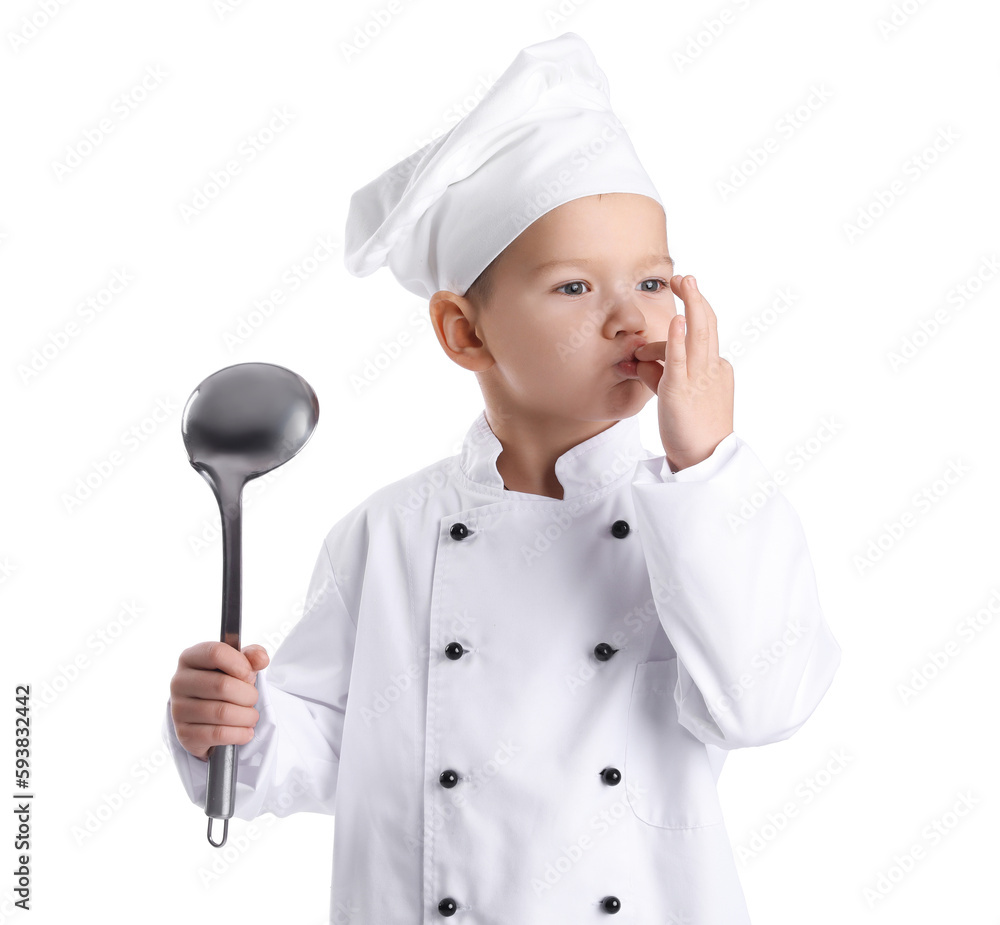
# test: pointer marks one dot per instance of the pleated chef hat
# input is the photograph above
(543, 134)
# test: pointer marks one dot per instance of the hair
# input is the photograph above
(481, 292)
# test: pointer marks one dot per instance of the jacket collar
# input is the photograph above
(592, 464)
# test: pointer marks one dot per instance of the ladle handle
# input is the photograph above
(220, 796)
(220, 801)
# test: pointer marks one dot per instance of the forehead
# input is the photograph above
(649, 259)
(619, 221)
(618, 228)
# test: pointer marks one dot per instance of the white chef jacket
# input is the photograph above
(517, 707)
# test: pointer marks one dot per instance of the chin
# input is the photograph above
(630, 399)
(646, 395)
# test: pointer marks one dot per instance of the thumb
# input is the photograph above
(258, 658)
(649, 373)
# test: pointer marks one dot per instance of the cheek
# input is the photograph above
(659, 324)
(534, 354)
(554, 356)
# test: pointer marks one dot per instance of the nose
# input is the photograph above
(624, 312)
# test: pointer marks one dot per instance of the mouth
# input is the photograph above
(628, 367)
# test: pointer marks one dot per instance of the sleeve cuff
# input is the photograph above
(699, 472)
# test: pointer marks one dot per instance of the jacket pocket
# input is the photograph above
(668, 778)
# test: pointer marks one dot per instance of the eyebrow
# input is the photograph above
(648, 261)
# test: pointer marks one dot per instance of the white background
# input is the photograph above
(815, 381)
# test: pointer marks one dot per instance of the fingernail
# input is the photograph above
(694, 282)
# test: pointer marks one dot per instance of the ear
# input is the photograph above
(454, 321)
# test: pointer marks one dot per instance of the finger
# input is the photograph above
(195, 711)
(219, 655)
(680, 286)
(654, 350)
(201, 737)
(207, 684)
(648, 367)
(696, 346)
(713, 326)
(676, 359)
(707, 323)
(649, 374)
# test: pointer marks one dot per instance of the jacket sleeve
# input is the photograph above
(291, 764)
(734, 587)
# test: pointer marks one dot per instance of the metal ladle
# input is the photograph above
(241, 422)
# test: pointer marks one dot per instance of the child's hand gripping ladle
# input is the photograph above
(241, 422)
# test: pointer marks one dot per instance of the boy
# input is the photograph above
(521, 668)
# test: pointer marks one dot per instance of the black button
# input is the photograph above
(459, 531)
(611, 776)
(611, 904)
(619, 528)
(448, 778)
(603, 651)
(448, 906)
(454, 650)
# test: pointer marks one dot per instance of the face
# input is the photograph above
(556, 334)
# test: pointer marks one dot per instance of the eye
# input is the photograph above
(653, 279)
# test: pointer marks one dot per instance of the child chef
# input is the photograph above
(521, 669)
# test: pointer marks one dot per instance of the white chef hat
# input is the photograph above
(543, 134)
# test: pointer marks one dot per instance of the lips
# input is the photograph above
(629, 357)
